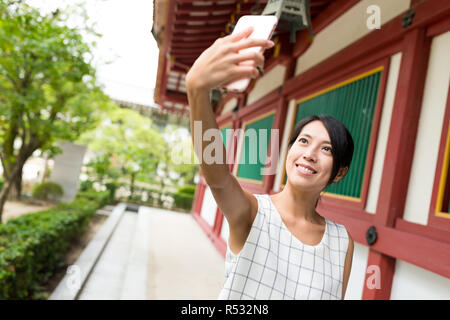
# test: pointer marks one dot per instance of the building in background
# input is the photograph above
(390, 87)
(161, 118)
(67, 168)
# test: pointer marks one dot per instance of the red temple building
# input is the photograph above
(389, 85)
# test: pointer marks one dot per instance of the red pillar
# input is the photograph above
(399, 152)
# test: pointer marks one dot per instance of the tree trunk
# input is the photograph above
(7, 185)
(43, 178)
(132, 185)
(3, 197)
(15, 180)
(162, 192)
(16, 187)
(14, 174)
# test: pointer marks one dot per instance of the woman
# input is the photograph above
(279, 247)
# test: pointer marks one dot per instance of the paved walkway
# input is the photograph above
(14, 209)
(183, 263)
(106, 280)
(155, 254)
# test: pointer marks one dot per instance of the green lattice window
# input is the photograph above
(252, 155)
(353, 102)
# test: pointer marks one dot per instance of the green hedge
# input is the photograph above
(184, 197)
(100, 197)
(112, 188)
(183, 201)
(47, 190)
(86, 185)
(33, 246)
(187, 190)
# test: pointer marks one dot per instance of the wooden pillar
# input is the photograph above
(280, 121)
(399, 153)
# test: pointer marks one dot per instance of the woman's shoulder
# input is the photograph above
(336, 229)
(263, 201)
(260, 196)
(264, 205)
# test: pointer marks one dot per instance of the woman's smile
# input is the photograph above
(305, 170)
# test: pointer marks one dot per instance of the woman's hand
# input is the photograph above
(222, 63)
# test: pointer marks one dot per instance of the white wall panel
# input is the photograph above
(209, 207)
(270, 81)
(348, 28)
(413, 283)
(284, 145)
(429, 132)
(225, 231)
(383, 133)
(355, 284)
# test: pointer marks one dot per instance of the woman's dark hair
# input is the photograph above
(341, 141)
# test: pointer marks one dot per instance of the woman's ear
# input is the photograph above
(342, 172)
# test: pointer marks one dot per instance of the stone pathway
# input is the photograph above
(106, 280)
(14, 209)
(183, 263)
(151, 254)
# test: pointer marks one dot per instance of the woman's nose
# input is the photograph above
(309, 155)
(309, 158)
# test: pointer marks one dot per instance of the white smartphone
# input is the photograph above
(263, 27)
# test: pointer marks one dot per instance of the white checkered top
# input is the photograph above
(274, 264)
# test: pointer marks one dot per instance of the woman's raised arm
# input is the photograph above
(215, 67)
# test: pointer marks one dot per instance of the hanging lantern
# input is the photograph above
(295, 12)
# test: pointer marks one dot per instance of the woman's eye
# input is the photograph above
(327, 149)
(302, 140)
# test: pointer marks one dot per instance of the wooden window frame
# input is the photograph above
(436, 217)
(424, 246)
(331, 81)
(241, 146)
(265, 106)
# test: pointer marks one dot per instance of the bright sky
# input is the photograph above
(127, 42)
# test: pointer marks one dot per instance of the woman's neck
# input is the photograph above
(298, 204)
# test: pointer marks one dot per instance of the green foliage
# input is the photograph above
(33, 246)
(47, 190)
(101, 169)
(48, 89)
(182, 160)
(86, 185)
(100, 197)
(126, 144)
(112, 187)
(189, 190)
(184, 197)
(183, 201)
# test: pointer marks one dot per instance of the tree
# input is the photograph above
(181, 159)
(134, 145)
(101, 169)
(47, 88)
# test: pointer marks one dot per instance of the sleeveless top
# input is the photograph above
(274, 264)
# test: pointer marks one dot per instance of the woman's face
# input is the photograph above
(309, 162)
